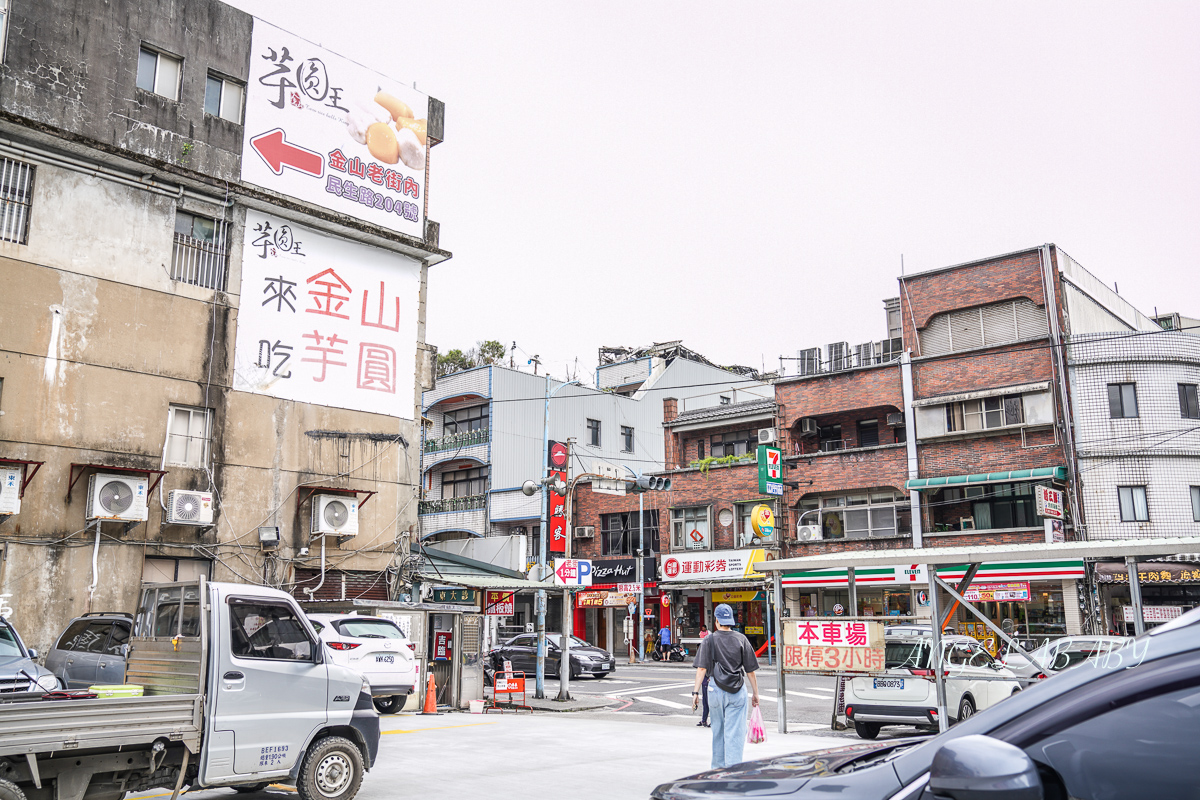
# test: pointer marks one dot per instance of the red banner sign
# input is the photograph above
(557, 522)
(441, 646)
(498, 603)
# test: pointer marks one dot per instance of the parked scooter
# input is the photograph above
(675, 652)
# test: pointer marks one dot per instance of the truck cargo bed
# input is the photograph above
(44, 726)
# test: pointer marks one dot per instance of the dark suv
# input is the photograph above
(92, 650)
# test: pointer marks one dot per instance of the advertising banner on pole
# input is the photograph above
(328, 131)
(499, 603)
(572, 572)
(325, 321)
(1049, 502)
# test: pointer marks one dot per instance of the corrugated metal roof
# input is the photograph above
(723, 411)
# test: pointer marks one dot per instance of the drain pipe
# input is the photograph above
(311, 590)
(95, 568)
(910, 444)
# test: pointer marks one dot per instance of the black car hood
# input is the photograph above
(777, 776)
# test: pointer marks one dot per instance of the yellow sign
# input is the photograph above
(733, 597)
(762, 519)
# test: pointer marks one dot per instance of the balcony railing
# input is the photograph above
(458, 441)
(469, 503)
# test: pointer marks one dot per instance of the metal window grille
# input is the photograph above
(199, 262)
(16, 198)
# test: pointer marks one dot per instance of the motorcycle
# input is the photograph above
(675, 652)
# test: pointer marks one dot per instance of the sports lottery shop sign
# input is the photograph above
(325, 321)
(845, 646)
(321, 128)
(715, 565)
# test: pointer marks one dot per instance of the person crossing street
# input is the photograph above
(727, 657)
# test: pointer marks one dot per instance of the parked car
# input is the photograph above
(1124, 725)
(375, 647)
(907, 694)
(92, 650)
(521, 650)
(1060, 654)
(19, 670)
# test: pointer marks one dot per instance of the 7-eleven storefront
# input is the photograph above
(1038, 598)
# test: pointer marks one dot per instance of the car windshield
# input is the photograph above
(553, 639)
(911, 653)
(8, 642)
(368, 629)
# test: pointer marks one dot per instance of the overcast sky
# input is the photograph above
(746, 177)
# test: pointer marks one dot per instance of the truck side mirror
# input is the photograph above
(977, 767)
(33, 653)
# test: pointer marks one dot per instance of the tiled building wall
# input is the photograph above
(873, 387)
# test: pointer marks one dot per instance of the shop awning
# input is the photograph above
(1051, 473)
(719, 586)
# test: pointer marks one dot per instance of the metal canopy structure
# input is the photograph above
(499, 582)
(1051, 473)
(972, 556)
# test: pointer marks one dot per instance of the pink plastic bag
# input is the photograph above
(756, 733)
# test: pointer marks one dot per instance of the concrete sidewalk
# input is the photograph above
(578, 702)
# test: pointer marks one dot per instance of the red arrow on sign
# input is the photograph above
(565, 570)
(275, 150)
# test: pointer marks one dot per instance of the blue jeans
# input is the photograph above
(730, 716)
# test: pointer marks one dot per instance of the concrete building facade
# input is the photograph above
(124, 255)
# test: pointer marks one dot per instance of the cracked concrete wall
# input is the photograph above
(72, 65)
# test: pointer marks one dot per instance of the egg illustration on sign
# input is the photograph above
(762, 520)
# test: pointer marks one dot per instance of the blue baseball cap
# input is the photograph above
(724, 615)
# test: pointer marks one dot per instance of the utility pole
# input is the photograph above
(641, 642)
(535, 361)
(564, 663)
(540, 600)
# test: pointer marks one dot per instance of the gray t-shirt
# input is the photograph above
(730, 648)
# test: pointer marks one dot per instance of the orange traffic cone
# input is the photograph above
(430, 695)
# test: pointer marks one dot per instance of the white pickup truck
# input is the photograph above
(238, 693)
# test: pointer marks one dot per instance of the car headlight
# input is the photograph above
(48, 682)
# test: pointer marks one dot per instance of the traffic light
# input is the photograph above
(650, 483)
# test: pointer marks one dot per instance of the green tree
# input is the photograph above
(453, 361)
(482, 354)
(490, 352)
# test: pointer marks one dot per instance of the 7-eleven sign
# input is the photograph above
(770, 470)
(911, 573)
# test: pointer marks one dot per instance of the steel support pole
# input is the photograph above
(641, 642)
(568, 615)
(780, 679)
(540, 602)
(935, 658)
(1135, 595)
(852, 611)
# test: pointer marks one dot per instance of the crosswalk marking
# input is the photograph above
(648, 689)
(806, 694)
(661, 702)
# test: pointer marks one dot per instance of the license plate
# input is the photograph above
(889, 683)
(385, 659)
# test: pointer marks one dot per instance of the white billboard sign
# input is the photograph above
(715, 564)
(326, 321)
(1049, 502)
(330, 132)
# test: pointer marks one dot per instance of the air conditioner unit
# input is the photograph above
(10, 491)
(189, 508)
(895, 420)
(585, 532)
(808, 426)
(808, 533)
(864, 354)
(767, 436)
(334, 515)
(838, 355)
(116, 497)
(808, 362)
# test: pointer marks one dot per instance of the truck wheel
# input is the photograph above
(333, 770)
(388, 705)
(250, 788)
(867, 730)
(10, 791)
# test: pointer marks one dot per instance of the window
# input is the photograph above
(868, 433)
(900, 435)
(724, 400)
(267, 630)
(1133, 503)
(626, 439)
(156, 569)
(593, 426)
(1196, 503)
(737, 443)
(830, 438)
(986, 326)
(187, 436)
(1122, 400)
(85, 637)
(619, 533)
(465, 419)
(223, 98)
(746, 528)
(159, 73)
(117, 639)
(990, 412)
(201, 251)
(16, 199)
(700, 449)
(464, 482)
(3, 27)
(689, 529)
(1189, 404)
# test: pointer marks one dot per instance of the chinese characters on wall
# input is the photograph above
(324, 320)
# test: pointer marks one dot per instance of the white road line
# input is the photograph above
(648, 689)
(820, 689)
(661, 702)
(806, 694)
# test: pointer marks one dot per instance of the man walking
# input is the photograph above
(728, 658)
(664, 640)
